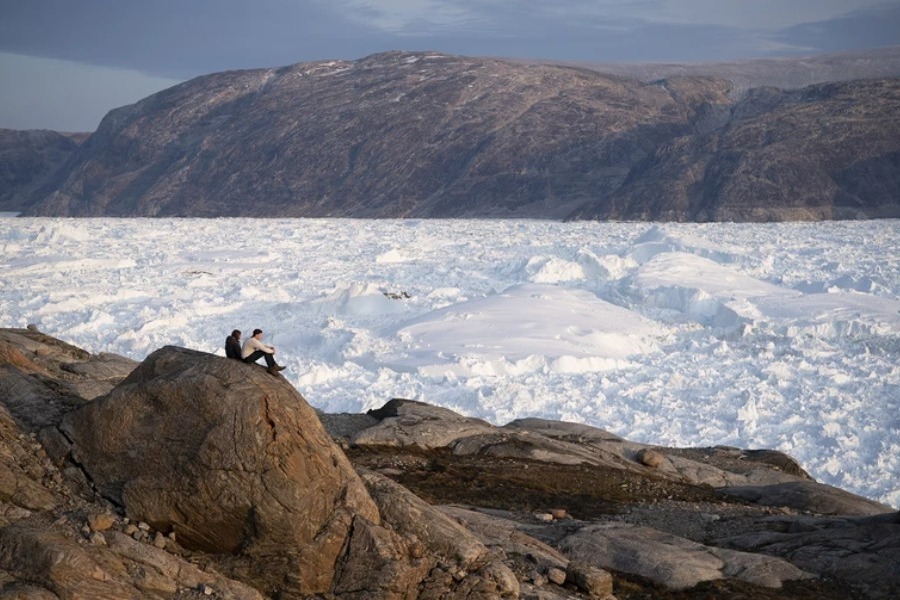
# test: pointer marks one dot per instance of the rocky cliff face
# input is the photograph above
(392, 135)
(28, 161)
(192, 475)
(428, 135)
(830, 151)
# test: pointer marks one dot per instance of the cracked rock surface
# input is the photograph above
(194, 476)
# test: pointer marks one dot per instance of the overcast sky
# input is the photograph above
(65, 63)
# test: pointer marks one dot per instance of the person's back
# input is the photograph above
(233, 345)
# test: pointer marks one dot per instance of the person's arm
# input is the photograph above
(255, 344)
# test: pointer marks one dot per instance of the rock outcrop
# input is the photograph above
(409, 423)
(673, 530)
(29, 160)
(804, 155)
(223, 457)
(420, 134)
(671, 560)
(194, 475)
(228, 457)
(821, 545)
(56, 566)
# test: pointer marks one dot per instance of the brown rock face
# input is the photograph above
(391, 135)
(41, 377)
(220, 456)
(829, 151)
(212, 461)
(28, 161)
(229, 457)
(405, 134)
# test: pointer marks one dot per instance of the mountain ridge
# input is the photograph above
(788, 73)
(429, 135)
(28, 161)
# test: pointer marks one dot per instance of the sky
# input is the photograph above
(64, 64)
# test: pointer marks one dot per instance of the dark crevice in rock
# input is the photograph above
(73, 461)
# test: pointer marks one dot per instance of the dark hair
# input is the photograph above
(236, 333)
(255, 331)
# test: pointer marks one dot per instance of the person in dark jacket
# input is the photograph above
(233, 345)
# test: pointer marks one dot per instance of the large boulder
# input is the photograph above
(49, 560)
(230, 458)
(670, 560)
(426, 554)
(809, 496)
(224, 458)
(862, 550)
(404, 422)
(42, 378)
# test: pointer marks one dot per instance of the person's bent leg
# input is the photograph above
(255, 356)
(272, 366)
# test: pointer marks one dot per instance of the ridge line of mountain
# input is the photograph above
(429, 135)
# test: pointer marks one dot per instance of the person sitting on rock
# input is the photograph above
(233, 345)
(254, 349)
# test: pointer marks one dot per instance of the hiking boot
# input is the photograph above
(279, 368)
(272, 370)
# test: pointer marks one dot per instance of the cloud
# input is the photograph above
(859, 29)
(404, 16)
(573, 30)
(173, 38)
(759, 15)
(427, 16)
(177, 39)
(634, 30)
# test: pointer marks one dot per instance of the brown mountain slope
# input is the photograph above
(398, 134)
(828, 151)
(428, 135)
(28, 159)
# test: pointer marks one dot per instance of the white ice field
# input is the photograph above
(783, 336)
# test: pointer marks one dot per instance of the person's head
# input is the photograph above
(257, 333)
(236, 334)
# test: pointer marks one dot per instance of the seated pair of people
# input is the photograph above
(252, 350)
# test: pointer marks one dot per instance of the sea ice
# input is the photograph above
(782, 336)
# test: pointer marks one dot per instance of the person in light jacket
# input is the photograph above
(254, 349)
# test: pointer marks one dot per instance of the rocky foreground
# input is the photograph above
(191, 475)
